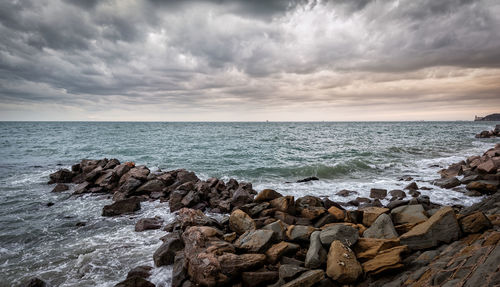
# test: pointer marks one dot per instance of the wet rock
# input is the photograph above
(122, 169)
(450, 182)
(135, 282)
(232, 265)
(255, 240)
(414, 193)
(337, 213)
(140, 271)
(290, 271)
(279, 249)
(385, 260)
(470, 178)
(341, 264)
(284, 204)
(154, 185)
(316, 254)
(485, 187)
(368, 248)
(378, 193)
(307, 179)
(346, 234)
(128, 205)
(396, 203)
(397, 193)
(179, 271)
(408, 214)
(382, 228)
(241, 196)
(370, 214)
(34, 282)
(299, 232)
(148, 224)
(453, 170)
(259, 278)
(442, 227)
(307, 279)
(412, 185)
(312, 212)
(61, 176)
(60, 187)
(240, 222)
(487, 167)
(345, 192)
(474, 222)
(267, 195)
(129, 185)
(194, 217)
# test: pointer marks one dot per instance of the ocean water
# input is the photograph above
(38, 240)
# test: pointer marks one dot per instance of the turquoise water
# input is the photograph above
(36, 240)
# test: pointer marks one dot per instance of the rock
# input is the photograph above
(240, 222)
(140, 172)
(94, 174)
(179, 271)
(470, 178)
(396, 203)
(307, 279)
(122, 169)
(274, 253)
(148, 224)
(414, 193)
(34, 282)
(259, 278)
(154, 185)
(60, 187)
(240, 197)
(307, 179)
(299, 232)
(82, 188)
(165, 254)
(487, 167)
(267, 195)
(128, 205)
(368, 248)
(385, 260)
(278, 228)
(346, 234)
(370, 214)
(140, 271)
(194, 217)
(135, 282)
(474, 223)
(447, 182)
(485, 187)
(408, 214)
(345, 192)
(312, 212)
(61, 176)
(255, 240)
(337, 213)
(382, 228)
(397, 193)
(442, 227)
(290, 271)
(341, 264)
(232, 264)
(129, 185)
(175, 200)
(284, 217)
(316, 254)
(453, 170)
(284, 204)
(412, 185)
(378, 193)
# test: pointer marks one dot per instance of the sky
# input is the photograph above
(235, 60)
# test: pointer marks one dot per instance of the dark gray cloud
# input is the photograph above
(221, 52)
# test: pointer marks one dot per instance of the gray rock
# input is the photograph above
(408, 214)
(316, 254)
(289, 271)
(382, 228)
(278, 228)
(447, 182)
(255, 241)
(346, 234)
(165, 254)
(128, 205)
(378, 193)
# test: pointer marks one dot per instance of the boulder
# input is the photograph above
(346, 234)
(82, 188)
(34, 282)
(259, 278)
(453, 170)
(397, 193)
(267, 195)
(240, 197)
(274, 253)
(307, 179)
(370, 214)
(121, 169)
(412, 185)
(129, 185)
(312, 212)
(474, 222)
(140, 271)
(382, 228)
(307, 279)
(385, 260)
(316, 254)
(119, 207)
(378, 193)
(175, 200)
(345, 192)
(194, 217)
(255, 240)
(179, 270)
(487, 167)
(148, 224)
(284, 204)
(368, 248)
(150, 186)
(408, 214)
(61, 176)
(135, 282)
(290, 271)
(60, 187)
(337, 213)
(240, 222)
(341, 264)
(485, 187)
(232, 265)
(278, 228)
(448, 182)
(299, 232)
(442, 227)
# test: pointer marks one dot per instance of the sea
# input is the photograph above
(38, 240)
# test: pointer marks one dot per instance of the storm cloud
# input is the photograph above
(249, 60)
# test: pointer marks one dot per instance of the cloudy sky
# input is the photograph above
(229, 60)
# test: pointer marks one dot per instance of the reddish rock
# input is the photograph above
(267, 195)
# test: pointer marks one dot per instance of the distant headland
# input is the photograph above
(492, 117)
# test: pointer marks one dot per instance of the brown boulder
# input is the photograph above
(284, 204)
(60, 187)
(240, 222)
(368, 248)
(61, 176)
(370, 214)
(474, 223)
(279, 249)
(165, 254)
(337, 213)
(267, 195)
(482, 186)
(378, 193)
(128, 205)
(341, 264)
(232, 265)
(148, 224)
(258, 278)
(385, 260)
(487, 167)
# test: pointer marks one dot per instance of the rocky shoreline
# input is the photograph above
(270, 239)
